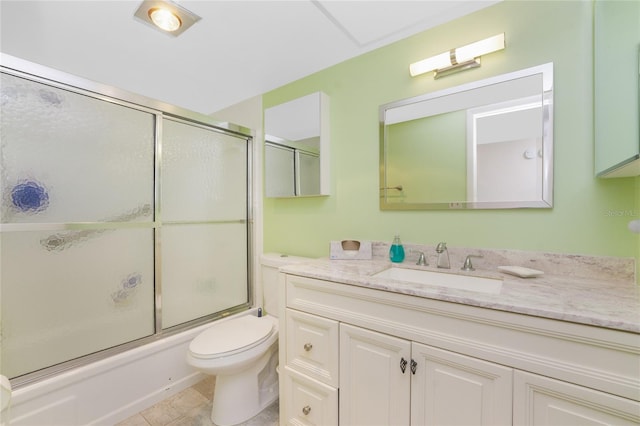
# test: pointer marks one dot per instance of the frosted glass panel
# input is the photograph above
(61, 304)
(73, 282)
(204, 174)
(204, 270)
(66, 157)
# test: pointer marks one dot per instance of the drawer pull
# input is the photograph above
(307, 347)
(306, 410)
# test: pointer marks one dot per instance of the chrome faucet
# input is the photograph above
(443, 256)
(422, 261)
(468, 266)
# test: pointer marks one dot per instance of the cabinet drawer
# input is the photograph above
(308, 402)
(312, 346)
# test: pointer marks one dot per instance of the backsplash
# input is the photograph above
(583, 266)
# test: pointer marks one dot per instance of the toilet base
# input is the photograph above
(239, 397)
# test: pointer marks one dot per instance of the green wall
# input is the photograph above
(636, 214)
(585, 218)
(430, 158)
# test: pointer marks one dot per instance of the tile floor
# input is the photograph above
(192, 407)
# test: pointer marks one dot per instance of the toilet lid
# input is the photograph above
(229, 336)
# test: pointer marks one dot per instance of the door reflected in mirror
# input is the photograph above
(487, 144)
(296, 150)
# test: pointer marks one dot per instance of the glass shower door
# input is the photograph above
(76, 247)
(117, 222)
(204, 207)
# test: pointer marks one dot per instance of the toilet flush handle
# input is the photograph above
(308, 346)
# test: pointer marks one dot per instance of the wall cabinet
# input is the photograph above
(356, 356)
(616, 69)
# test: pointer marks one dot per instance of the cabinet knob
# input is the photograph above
(306, 410)
(308, 346)
(403, 364)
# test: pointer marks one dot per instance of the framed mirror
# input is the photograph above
(296, 150)
(482, 145)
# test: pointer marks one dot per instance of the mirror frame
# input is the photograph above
(546, 70)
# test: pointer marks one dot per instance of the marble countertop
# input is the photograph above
(603, 302)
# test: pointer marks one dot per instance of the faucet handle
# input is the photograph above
(422, 261)
(468, 266)
(441, 247)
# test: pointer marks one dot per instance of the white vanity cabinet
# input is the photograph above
(541, 401)
(453, 389)
(385, 380)
(343, 348)
(374, 378)
(310, 376)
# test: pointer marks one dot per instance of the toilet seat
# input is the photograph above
(230, 337)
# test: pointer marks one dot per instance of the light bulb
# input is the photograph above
(479, 48)
(442, 60)
(165, 19)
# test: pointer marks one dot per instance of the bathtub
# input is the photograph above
(110, 390)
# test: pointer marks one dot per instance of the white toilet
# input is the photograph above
(242, 353)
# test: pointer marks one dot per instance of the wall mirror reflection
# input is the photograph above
(482, 145)
(296, 151)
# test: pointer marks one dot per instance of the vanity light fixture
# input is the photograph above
(166, 16)
(459, 59)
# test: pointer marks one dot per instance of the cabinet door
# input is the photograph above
(452, 389)
(542, 401)
(373, 388)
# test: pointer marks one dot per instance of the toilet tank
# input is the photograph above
(269, 264)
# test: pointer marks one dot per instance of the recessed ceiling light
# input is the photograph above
(165, 19)
(166, 16)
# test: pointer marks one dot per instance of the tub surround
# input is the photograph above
(597, 291)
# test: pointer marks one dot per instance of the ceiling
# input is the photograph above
(238, 50)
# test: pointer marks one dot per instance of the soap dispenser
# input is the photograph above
(396, 253)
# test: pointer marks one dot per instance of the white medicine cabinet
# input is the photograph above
(296, 150)
(617, 88)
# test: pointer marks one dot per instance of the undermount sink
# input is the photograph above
(442, 279)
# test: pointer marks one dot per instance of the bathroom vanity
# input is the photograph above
(360, 349)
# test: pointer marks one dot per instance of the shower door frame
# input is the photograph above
(160, 110)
